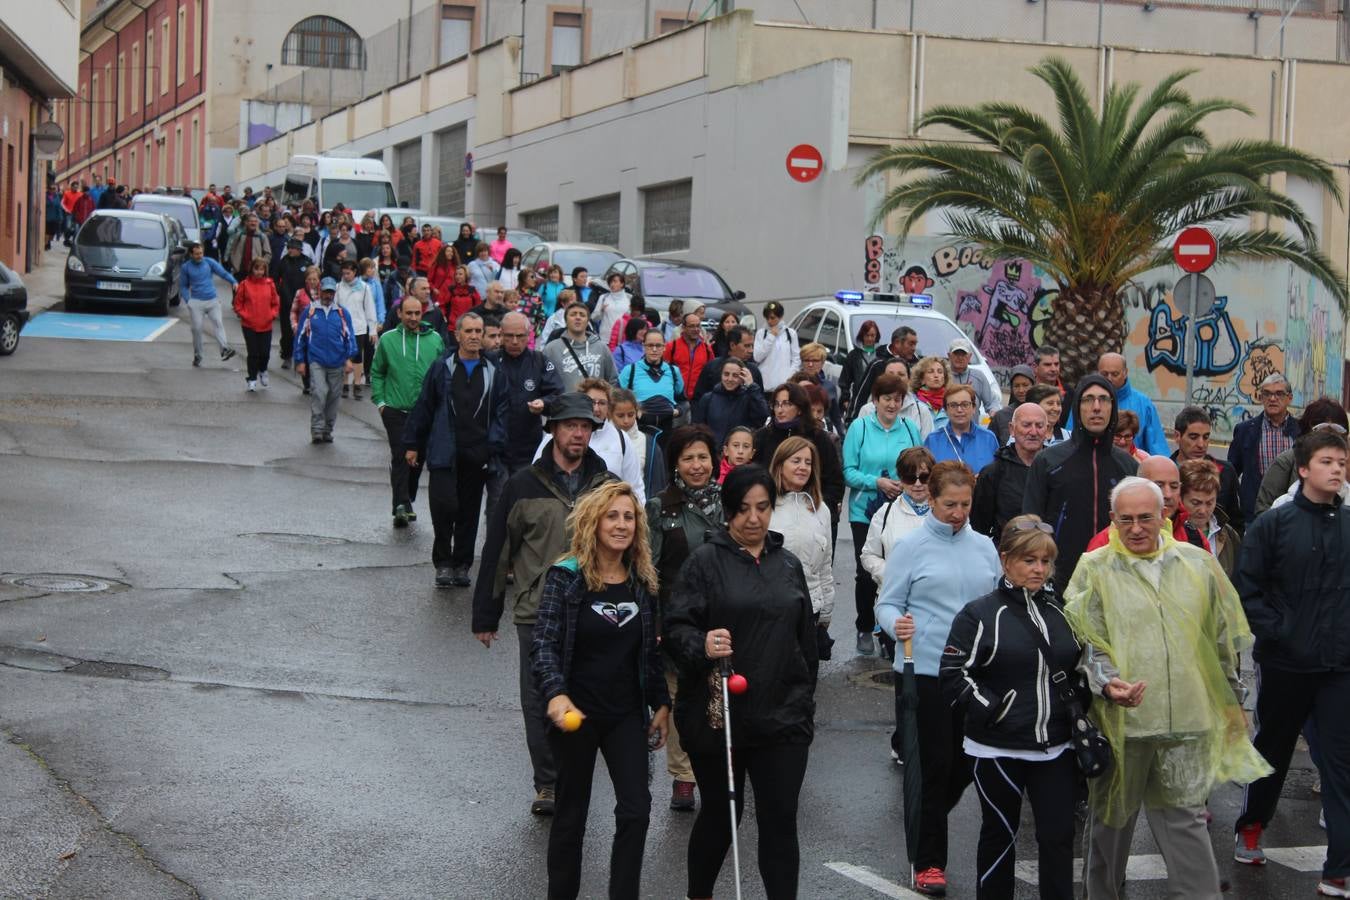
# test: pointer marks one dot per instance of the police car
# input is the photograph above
(834, 322)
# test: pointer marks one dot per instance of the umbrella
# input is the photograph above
(908, 726)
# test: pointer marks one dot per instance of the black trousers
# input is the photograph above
(864, 588)
(946, 771)
(1050, 787)
(287, 332)
(403, 478)
(1284, 701)
(623, 743)
(776, 772)
(258, 346)
(456, 499)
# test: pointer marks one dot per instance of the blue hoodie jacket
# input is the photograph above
(932, 574)
(869, 450)
(195, 281)
(324, 336)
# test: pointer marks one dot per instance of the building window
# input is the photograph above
(133, 174)
(665, 217)
(197, 38)
(181, 151)
(108, 97)
(121, 86)
(149, 69)
(164, 56)
(408, 172)
(193, 151)
(322, 42)
(95, 110)
(665, 24)
(134, 76)
(543, 222)
(567, 42)
(456, 31)
(600, 220)
(451, 146)
(143, 174)
(182, 45)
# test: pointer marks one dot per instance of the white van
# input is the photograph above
(182, 209)
(357, 183)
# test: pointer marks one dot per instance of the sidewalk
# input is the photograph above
(46, 283)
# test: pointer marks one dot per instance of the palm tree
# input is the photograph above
(1095, 201)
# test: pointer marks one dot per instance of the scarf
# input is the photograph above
(920, 509)
(933, 397)
(869, 351)
(707, 499)
(639, 440)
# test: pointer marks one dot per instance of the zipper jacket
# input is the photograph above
(995, 670)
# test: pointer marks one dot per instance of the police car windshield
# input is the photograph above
(934, 334)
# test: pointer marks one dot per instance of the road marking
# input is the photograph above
(88, 327)
(1300, 859)
(872, 880)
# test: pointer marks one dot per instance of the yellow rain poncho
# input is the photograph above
(1172, 620)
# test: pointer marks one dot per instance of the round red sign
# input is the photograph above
(804, 163)
(1195, 250)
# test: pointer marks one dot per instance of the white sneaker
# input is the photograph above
(252, 386)
(262, 378)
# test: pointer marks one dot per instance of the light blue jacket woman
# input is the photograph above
(870, 449)
(932, 573)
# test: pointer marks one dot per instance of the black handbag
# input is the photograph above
(1090, 747)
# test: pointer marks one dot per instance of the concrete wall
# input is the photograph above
(40, 39)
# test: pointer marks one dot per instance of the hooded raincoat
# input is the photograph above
(1171, 619)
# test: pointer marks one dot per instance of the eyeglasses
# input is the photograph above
(1131, 521)
(1028, 525)
(1329, 426)
(782, 404)
(964, 404)
(919, 478)
(1272, 395)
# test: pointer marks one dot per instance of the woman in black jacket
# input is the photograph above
(856, 364)
(790, 414)
(742, 597)
(597, 663)
(1017, 721)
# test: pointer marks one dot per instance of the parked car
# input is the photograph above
(834, 322)
(594, 258)
(13, 309)
(125, 256)
(659, 281)
(182, 209)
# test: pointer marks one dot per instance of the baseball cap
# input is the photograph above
(573, 406)
(295, 244)
(328, 284)
(773, 308)
(961, 344)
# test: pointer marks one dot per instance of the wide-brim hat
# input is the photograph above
(573, 406)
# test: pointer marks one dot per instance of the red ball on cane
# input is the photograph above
(737, 684)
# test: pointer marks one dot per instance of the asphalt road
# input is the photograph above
(265, 697)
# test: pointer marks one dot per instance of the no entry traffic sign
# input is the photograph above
(804, 163)
(1195, 250)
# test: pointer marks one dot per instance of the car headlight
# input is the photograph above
(156, 269)
(73, 263)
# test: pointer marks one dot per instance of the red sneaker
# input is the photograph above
(932, 882)
(1247, 846)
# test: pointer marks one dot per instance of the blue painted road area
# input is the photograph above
(85, 327)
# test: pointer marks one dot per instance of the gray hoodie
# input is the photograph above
(587, 358)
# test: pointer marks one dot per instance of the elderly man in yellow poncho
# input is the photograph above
(1162, 629)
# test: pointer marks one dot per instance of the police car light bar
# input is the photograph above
(855, 298)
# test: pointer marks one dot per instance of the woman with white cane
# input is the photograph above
(742, 593)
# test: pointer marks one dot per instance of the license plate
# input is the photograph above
(123, 286)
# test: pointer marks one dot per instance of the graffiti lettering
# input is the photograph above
(947, 260)
(1217, 348)
(873, 248)
(1264, 357)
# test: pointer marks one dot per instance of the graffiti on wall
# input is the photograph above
(1003, 306)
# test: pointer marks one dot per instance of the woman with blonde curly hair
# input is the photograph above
(598, 667)
(930, 377)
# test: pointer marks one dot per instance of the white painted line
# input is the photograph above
(800, 163)
(1194, 250)
(872, 880)
(160, 330)
(1300, 859)
(1145, 867)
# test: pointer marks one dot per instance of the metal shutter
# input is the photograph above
(665, 218)
(450, 149)
(543, 222)
(600, 221)
(409, 162)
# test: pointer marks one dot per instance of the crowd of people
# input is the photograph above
(662, 509)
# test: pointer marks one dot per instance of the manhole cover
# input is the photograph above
(286, 537)
(60, 584)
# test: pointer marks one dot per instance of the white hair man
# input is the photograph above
(1163, 630)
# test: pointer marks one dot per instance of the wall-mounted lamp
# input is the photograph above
(1149, 7)
(1254, 14)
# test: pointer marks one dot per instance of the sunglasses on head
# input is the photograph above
(1036, 526)
(1329, 426)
